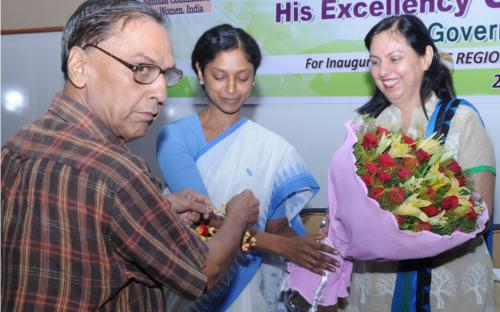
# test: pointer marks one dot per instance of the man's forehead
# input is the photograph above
(135, 23)
(144, 32)
(141, 39)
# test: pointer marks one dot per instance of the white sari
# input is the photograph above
(248, 156)
(252, 157)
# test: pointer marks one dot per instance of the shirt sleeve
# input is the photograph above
(148, 234)
(474, 147)
(176, 149)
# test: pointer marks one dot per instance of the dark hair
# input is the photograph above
(224, 38)
(436, 79)
(94, 20)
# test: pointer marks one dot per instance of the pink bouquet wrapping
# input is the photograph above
(361, 230)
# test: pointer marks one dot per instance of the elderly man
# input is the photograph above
(84, 224)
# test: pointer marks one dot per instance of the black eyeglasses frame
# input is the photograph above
(168, 73)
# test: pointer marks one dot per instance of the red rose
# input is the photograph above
(202, 230)
(449, 202)
(410, 163)
(401, 219)
(462, 181)
(423, 226)
(369, 141)
(367, 179)
(376, 193)
(404, 173)
(472, 214)
(386, 160)
(408, 140)
(371, 166)
(455, 167)
(383, 176)
(381, 130)
(430, 210)
(396, 195)
(422, 155)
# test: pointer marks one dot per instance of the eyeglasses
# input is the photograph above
(147, 73)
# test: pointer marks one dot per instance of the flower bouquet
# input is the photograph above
(391, 197)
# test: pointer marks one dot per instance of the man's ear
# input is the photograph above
(200, 74)
(77, 67)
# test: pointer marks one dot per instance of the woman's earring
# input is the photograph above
(201, 83)
(253, 83)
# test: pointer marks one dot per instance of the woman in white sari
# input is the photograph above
(219, 153)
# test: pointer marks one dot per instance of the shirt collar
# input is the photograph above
(72, 111)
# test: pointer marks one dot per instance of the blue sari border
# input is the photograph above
(288, 189)
(221, 136)
(241, 280)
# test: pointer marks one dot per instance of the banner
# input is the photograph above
(313, 51)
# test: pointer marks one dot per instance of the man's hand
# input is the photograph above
(242, 211)
(190, 205)
(244, 207)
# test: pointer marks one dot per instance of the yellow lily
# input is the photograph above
(384, 143)
(430, 145)
(435, 157)
(454, 188)
(463, 205)
(463, 200)
(461, 210)
(411, 207)
(436, 178)
(399, 148)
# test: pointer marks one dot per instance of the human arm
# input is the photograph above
(475, 152)
(146, 232)
(242, 212)
(190, 205)
(177, 145)
(484, 184)
(284, 233)
(176, 148)
(305, 251)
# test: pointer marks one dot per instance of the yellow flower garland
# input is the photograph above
(206, 232)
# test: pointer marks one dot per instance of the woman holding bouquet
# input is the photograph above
(414, 93)
(218, 152)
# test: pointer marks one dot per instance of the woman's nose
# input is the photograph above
(383, 69)
(231, 86)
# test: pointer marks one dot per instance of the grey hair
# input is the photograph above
(94, 21)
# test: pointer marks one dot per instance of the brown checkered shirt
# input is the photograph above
(84, 224)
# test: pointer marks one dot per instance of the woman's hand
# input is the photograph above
(308, 252)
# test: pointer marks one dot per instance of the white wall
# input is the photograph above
(28, 14)
(30, 63)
